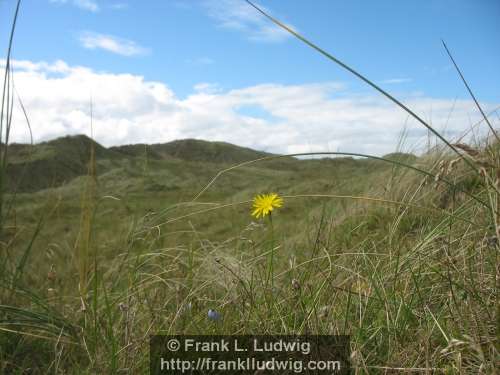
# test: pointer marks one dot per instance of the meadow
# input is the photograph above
(102, 247)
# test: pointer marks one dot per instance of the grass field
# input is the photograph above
(410, 276)
(102, 247)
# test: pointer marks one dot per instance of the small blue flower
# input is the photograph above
(214, 315)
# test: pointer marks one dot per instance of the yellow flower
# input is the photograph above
(265, 203)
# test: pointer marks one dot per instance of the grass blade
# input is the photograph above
(366, 80)
(470, 91)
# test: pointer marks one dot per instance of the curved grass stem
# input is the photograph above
(395, 162)
(366, 80)
(333, 196)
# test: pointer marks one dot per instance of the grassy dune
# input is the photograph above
(410, 275)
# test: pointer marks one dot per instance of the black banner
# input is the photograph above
(312, 354)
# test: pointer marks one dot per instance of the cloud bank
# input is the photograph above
(272, 117)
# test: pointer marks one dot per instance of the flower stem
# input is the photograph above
(271, 258)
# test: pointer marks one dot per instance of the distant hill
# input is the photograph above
(55, 162)
(51, 163)
(137, 150)
(193, 150)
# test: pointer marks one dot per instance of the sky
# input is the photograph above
(217, 70)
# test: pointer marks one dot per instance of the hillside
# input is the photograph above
(53, 163)
(150, 178)
(194, 150)
(361, 246)
(56, 162)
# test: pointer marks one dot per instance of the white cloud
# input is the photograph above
(239, 15)
(297, 118)
(124, 47)
(207, 88)
(396, 80)
(89, 5)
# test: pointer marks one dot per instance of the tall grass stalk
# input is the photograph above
(6, 115)
(470, 92)
(83, 244)
(366, 80)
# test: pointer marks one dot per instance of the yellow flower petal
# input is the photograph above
(263, 204)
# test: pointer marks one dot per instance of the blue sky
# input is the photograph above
(223, 51)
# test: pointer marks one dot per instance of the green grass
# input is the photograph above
(404, 280)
